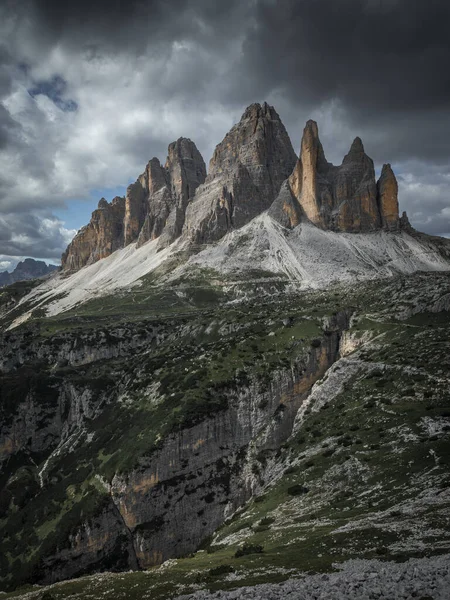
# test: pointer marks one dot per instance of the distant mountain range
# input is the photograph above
(25, 270)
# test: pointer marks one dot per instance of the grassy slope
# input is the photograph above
(374, 460)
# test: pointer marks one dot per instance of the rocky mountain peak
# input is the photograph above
(245, 175)
(27, 269)
(340, 198)
(103, 203)
(155, 176)
(252, 169)
(357, 148)
(186, 168)
(154, 207)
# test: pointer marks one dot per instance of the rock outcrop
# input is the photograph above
(103, 235)
(245, 176)
(339, 198)
(387, 190)
(187, 170)
(154, 204)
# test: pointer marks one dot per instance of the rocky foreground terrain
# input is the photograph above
(239, 378)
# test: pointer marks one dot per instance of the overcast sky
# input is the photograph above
(91, 90)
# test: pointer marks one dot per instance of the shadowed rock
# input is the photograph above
(245, 176)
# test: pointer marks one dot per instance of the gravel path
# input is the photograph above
(417, 579)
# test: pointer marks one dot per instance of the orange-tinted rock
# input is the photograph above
(342, 198)
(155, 204)
(304, 179)
(388, 198)
(102, 236)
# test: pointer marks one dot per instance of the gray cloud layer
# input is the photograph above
(89, 91)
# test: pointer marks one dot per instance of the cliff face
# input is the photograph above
(153, 205)
(187, 171)
(387, 190)
(103, 235)
(245, 175)
(340, 198)
(171, 494)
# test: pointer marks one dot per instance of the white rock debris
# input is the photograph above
(356, 580)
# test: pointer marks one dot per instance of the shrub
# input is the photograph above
(328, 452)
(297, 490)
(266, 521)
(220, 570)
(249, 549)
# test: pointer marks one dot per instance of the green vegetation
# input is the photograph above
(364, 475)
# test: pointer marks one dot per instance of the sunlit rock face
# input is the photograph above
(387, 189)
(103, 235)
(340, 198)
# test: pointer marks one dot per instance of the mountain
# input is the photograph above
(154, 206)
(245, 175)
(25, 270)
(238, 378)
(345, 198)
(260, 208)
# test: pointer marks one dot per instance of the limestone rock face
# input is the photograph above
(157, 202)
(186, 170)
(388, 198)
(340, 198)
(103, 235)
(245, 175)
(154, 206)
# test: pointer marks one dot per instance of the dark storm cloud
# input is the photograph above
(90, 90)
(384, 61)
(380, 55)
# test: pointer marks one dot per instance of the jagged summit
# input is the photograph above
(339, 198)
(245, 175)
(154, 207)
(253, 169)
(357, 147)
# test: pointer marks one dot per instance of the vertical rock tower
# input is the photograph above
(154, 207)
(245, 175)
(341, 198)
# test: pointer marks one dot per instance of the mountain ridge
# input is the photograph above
(252, 170)
(26, 270)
